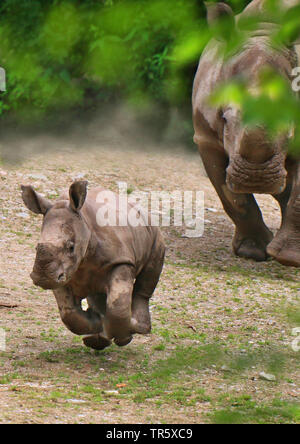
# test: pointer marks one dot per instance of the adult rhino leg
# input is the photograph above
(75, 319)
(252, 235)
(144, 287)
(283, 199)
(285, 247)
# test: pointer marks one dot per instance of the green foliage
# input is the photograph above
(258, 109)
(55, 51)
(273, 91)
(58, 53)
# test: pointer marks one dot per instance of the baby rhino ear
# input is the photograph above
(78, 192)
(33, 201)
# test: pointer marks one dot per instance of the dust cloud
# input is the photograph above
(120, 128)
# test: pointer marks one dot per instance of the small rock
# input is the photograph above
(37, 177)
(111, 392)
(79, 176)
(189, 236)
(225, 368)
(267, 377)
(76, 401)
(84, 305)
(23, 215)
(212, 210)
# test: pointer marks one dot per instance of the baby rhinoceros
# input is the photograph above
(116, 268)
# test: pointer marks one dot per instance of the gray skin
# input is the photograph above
(241, 161)
(115, 268)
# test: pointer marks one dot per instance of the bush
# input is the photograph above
(66, 54)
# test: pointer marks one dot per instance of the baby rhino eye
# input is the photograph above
(71, 247)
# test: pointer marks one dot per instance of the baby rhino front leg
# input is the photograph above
(117, 323)
(75, 319)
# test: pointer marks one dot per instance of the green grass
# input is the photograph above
(246, 411)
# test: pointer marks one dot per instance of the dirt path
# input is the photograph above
(218, 321)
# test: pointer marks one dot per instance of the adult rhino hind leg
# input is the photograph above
(252, 236)
(144, 287)
(285, 247)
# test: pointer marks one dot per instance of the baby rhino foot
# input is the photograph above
(121, 342)
(141, 327)
(97, 342)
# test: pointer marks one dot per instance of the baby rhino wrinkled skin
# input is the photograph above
(116, 268)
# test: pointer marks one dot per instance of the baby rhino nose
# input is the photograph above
(61, 278)
(48, 271)
(48, 281)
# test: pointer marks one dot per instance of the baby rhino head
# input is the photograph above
(64, 239)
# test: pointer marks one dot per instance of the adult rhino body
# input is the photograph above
(241, 161)
(116, 268)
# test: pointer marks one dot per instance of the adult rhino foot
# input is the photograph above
(97, 342)
(285, 250)
(253, 247)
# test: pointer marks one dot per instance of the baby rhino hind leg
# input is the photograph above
(144, 287)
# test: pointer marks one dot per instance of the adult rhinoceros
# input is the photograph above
(240, 160)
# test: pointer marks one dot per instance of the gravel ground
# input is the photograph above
(218, 321)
